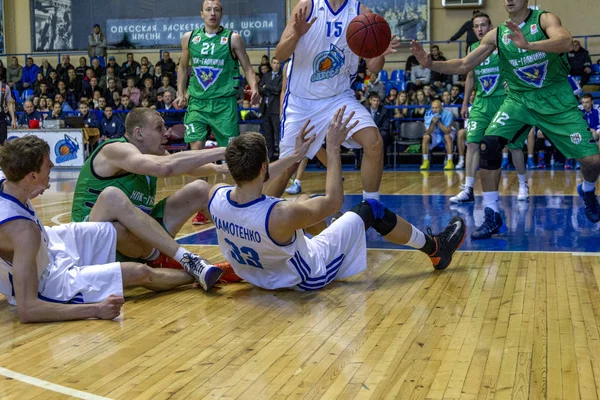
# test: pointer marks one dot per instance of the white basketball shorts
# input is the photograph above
(84, 269)
(297, 110)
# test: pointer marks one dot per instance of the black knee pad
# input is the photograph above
(385, 224)
(490, 150)
(365, 212)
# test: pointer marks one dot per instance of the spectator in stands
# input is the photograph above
(30, 71)
(390, 100)
(420, 100)
(74, 84)
(263, 70)
(170, 115)
(245, 113)
(438, 80)
(112, 127)
(14, 74)
(167, 65)
(455, 95)
(95, 103)
(97, 68)
(43, 90)
(112, 62)
(148, 91)
(467, 28)
(381, 117)
(91, 87)
(360, 96)
(38, 82)
(36, 101)
(166, 87)
(145, 61)
(129, 68)
(375, 85)
(89, 74)
(112, 91)
(145, 103)
(31, 114)
(264, 60)
(53, 81)
(2, 72)
(43, 106)
(69, 97)
(447, 102)
(592, 114)
(419, 77)
(430, 93)
(269, 88)
(50, 103)
(581, 63)
(157, 77)
(142, 76)
(410, 63)
(81, 70)
(401, 100)
(57, 112)
(132, 91)
(116, 103)
(63, 67)
(126, 103)
(110, 74)
(97, 44)
(46, 68)
(59, 99)
(439, 133)
(90, 120)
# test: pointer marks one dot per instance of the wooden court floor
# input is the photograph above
(501, 325)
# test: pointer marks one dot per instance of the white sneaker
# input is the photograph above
(523, 192)
(461, 164)
(201, 270)
(465, 196)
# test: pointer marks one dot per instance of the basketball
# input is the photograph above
(368, 35)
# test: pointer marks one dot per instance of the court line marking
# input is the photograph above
(30, 380)
(56, 218)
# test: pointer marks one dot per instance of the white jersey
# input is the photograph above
(323, 65)
(12, 209)
(305, 264)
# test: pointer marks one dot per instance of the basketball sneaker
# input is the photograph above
(449, 165)
(530, 163)
(425, 165)
(294, 189)
(229, 275)
(164, 261)
(460, 164)
(465, 196)
(200, 219)
(505, 163)
(447, 242)
(492, 224)
(592, 208)
(523, 192)
(205, 273)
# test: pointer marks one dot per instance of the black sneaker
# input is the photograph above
(205, 273)
(447, 242)
(592, 208)
(491, 225)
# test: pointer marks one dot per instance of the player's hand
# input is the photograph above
(180, 101)
(111, 307)
(435, 119)
(464, 111)
(13, 124)
(339, 128)
(254, 97)
(418, 51)
(222, 169)
(393, 47)
(517, 36)
(302, 141)
(300, 25)
(587, 70)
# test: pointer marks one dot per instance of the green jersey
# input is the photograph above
(141, 189)
(488, 79)
(215, 70)
(526, 70)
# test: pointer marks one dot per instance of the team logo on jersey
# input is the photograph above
(534, 29)
(207, 76)
(533, 74)
(66, 149)
(196, 39)
(328, 64)
(224, 40)
(506, 39)
(576, 138)
(489, 82)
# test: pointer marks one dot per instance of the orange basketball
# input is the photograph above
(368, 35)
(325, 65)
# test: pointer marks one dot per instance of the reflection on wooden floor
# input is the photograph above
(493, 325)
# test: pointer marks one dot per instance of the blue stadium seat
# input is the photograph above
(397, 75)
(400, 86)
(596, 68)
(388, 87)
(594, 80)
(383, 75)
(15, 94)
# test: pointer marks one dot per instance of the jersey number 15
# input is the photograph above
(337, 29)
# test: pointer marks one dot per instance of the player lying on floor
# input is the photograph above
(262, 236)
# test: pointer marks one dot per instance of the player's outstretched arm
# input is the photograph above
(127, 157)
(459, 66)
(182, 72)
(559, 38)
(296, 27)
(239, 48)
(25, 239)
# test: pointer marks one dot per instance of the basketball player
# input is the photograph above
(69, 271)
(322, 67)
(532, 49)
(489, 83)
(133, 163)
(263, 239)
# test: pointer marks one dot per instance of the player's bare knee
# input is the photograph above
(426, 139)
(114, 196)
(374, 146)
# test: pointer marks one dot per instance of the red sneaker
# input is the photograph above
(164, 261)
(229, 275)
(200, 219)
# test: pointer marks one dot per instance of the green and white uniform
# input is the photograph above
(539, 94)
(213, 87)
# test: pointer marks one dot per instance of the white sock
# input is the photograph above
(449, 156)
(425, 157)
(370, 195)
(588, 186)
(417, 239)
(470, 181)
(490, 199)
(522, 179)
(505, 155)
(152, 256)
(298, 182)
(461, 158)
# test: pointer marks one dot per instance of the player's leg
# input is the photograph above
(156, 279)
(531, 149)
(518, 157)
(461, 143)
(196, 128)
(296, 186)
(223, 120)
(179, 207)
(449, 146)
(371, 168)
(425, 152)
(478, 122)
(114, 206)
